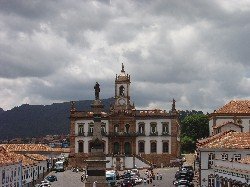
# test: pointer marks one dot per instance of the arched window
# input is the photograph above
(153, 147)
(141, 147)
(127, 148)
(141, 128)
(91, 128)
(90, 146)
(127, 128)
(80, 129)
(116, 148)
(103, 127)
(153, 127)
(165, 128)
(80, 147)
(116, 128)
(121, 90)
(165, 147)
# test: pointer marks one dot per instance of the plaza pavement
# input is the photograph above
(73, 179)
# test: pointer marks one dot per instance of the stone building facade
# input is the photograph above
(149, 135)
(234, 115)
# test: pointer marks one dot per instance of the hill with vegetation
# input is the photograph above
(39, 120)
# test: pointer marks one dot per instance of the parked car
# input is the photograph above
(183, 182)
(189, 169)
(43, 184)
(184, 175)
(51, 178)
(138, 180)
(127, 182)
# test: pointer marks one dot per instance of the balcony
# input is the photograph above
(140, 133)
(165, 134)
(90, 133)
(104, 133)
(122, 134)
(80, 134)
(153, 134)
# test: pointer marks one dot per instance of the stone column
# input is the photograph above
(96, 164)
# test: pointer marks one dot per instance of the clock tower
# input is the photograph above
(122, 91)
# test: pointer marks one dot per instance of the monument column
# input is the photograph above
(96, 165)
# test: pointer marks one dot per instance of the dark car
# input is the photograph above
(184, 175)
(127, 182)
(51, 178)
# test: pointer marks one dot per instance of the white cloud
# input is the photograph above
(195, 52)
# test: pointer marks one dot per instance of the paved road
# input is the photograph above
(167, 178)
(72, 179)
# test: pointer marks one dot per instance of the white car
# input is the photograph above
(45, 182)
(138, 180)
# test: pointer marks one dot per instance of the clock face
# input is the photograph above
(121, 101)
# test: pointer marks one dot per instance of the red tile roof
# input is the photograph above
(26, 147)
(37, 157)
(62, 150)
(6, 158)
(227, 140)
(235, 106)
(9, 158)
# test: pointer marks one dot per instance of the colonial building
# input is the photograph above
(224, 159)
(235, 116)
(21, 169)
(10, 169)
(151, 136)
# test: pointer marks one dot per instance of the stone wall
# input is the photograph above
(158, 159)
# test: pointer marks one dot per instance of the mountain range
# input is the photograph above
(39, 120)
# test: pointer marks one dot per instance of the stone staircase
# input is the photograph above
(144, 160)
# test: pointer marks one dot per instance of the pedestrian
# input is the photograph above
(148, 180)
(151, 180)
(160, 176)
(157, 176)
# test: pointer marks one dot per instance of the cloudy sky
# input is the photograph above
(197, 52)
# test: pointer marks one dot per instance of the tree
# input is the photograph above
(193, 127)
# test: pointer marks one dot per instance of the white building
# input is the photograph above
(235, 115)
(34, 166)
(221, 154)
(229, 173)
(10, 169)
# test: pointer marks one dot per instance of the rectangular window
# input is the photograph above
(153, 128)
(211, 157)
(165, 147)
(80, 129)
(224, 156)
(210, 181)
(165, 128)
(141, 128)
(91, 128)
(141, 147)
(237, 157)
(153, 147)
(3, 176)
(103, 128)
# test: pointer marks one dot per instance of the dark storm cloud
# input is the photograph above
(194, 51)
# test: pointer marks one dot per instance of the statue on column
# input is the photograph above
(97, 90)
(173, 105)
